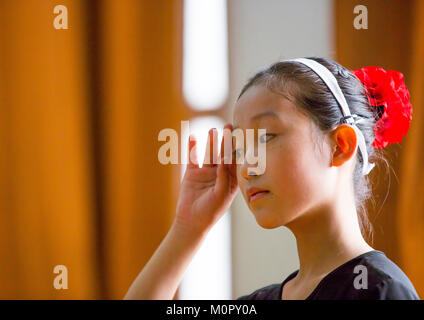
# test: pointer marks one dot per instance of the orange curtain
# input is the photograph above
(46, 186)
(80, 113)
(140, 75)
(393, 40)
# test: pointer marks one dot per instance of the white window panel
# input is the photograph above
(205, 53)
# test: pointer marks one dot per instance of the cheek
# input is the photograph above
(295, 173)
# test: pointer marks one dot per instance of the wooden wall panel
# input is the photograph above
(393, 40)
(411, 201)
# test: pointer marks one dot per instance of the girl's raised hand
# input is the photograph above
(206, 193)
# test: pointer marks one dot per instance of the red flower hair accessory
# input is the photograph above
(388, 94)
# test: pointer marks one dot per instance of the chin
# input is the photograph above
(268, 226)
(267, 222)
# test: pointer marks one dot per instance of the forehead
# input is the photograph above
(258, 103)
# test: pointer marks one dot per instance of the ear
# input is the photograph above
(344, 144)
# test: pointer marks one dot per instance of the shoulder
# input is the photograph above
(376, 277)
(392, 289)
(270, 292)
(389, 281)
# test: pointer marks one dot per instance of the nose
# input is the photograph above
(247, 172)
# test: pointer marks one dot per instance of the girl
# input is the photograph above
(323, 125)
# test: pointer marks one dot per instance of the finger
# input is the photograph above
(192, 152)
(232, 168)
(211, 154)
(223, 184)
(222, 180)
(225, 155)
(215, 149)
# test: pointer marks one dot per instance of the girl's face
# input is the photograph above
(297, 170)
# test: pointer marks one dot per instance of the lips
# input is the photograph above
(256, 193)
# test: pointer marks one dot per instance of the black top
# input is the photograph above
(376, 278)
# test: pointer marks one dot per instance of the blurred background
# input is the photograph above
(81, 110)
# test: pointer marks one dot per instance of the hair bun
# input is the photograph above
(390, 99)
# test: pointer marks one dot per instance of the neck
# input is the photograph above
(327, 237)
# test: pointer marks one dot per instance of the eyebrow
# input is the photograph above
(262, 115)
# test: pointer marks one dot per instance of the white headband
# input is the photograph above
(348, 118)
